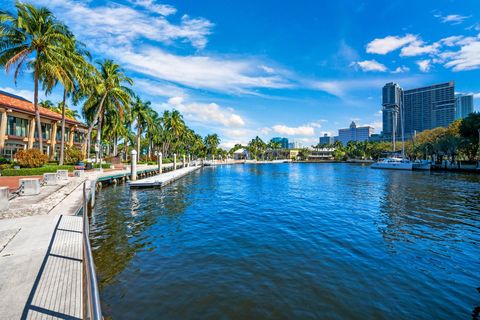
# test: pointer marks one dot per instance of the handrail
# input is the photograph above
(91, 297)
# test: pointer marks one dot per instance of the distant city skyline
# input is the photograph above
(275, 69)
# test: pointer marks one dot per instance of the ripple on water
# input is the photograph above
(291, 241)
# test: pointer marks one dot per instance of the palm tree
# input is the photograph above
(141, 112)
(211, 142)
(107, 87)
(32, 38)
(68, 68)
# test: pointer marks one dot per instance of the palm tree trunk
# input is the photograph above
(99, 139)
(139, 135)
(35, 103)
(97, 114)
(115, 147)
(62, 144)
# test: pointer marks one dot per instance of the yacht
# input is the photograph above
(393, 163)
(422, 165)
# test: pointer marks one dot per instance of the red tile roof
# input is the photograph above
(18, 103)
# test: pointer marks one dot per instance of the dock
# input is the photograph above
(163, 179)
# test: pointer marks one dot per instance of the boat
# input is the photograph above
(422, 165)
(393, 163)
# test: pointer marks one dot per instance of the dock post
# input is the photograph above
(160, 160)
(4, 194)
(184, 162)
(133, 170)
(174, 161)
(189, 159)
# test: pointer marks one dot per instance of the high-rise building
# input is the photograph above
(391, 100)
(423, 108)
(463, 105)
(295, 145)
(283, 142)
(354, 133)
(429, 107)
(326, 139)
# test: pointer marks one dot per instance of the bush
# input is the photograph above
(31, 158)
(4, 161)
(34, 171)
(4, 166)
(73, 155)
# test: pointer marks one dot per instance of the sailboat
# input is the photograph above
(395, 163)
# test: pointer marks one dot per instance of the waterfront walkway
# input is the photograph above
(41, 251)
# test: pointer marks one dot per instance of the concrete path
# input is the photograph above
(162, 179)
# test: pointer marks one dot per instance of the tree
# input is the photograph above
(211, 143)
(141, 112)
(108, 86)
(469, 130)
(31, 38)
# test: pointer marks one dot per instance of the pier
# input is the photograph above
(163, 179)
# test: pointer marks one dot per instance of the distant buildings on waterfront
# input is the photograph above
(295, 145)
(326, 139)
(282, 141)
(354, 133)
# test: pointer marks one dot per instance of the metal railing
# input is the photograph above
(91, 297)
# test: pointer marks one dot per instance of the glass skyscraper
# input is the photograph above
(463, 105)
(424, 108)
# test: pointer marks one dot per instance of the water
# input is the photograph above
(292, 241)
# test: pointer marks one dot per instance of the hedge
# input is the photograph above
(34, 171)
(45, 169)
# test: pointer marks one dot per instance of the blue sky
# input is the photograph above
(276, 68)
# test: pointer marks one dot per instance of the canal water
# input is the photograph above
(291, 241)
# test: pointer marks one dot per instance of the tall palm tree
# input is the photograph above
(108, 85)
(141, 112)
(30, 38)
(211, 142)
(68, 68)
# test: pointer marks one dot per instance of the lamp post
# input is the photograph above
(160, 160)
(133, 170)
(184, 162)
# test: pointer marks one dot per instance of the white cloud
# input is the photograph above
(176, 101)
(267, 69)
(304, 130)
(371, 65)
(418, 47)
(424, 65)
(401, 69)
(389, 43)
(114, 24)
(203, 72)
(451, 41)
(468, 58)
(162, 9)
(26, 94)
(452, 18)
(207, 113)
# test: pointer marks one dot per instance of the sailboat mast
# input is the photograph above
(402, 125)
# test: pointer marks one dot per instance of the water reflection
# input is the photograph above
(119, 235)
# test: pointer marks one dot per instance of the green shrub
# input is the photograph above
(34, 171)
(73, 155)
(5, 161)
(31, 158)
(104, 165)
(5, 166)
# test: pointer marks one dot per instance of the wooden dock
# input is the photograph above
(162, 179)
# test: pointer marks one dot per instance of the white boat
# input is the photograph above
(422, 165)
(393, 163)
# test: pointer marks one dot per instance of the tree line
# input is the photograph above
(32, 39)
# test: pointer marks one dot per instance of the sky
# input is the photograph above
(274, 68)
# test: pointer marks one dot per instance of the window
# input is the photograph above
(46, 131)
(17, 126)
(78, 136)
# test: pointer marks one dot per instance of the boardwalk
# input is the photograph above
(162, 179)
